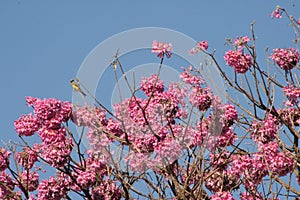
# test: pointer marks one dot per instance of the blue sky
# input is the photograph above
(43, 43)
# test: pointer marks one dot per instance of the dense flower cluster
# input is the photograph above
(106, 190)
(201, 98)
(265, 131)
(152, 85)
(7, 186)
(51, 189)
(231, 114)
(30, 180)
(161, 49)
(279, 163)
(290, 115)
(27, 157)
(189, 78)
(286, 58)
(91, 174)
(55, 149)
(293, 94)
(4, 159)
(240, 61)
(27, 125)
(222, 196)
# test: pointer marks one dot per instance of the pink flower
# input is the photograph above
(286, 58)
(57, 154)
(26, 158)
(90, 117)
(292, 93)
(51, 188)
(227, 137)
(162, 49)
(278, 162)
(276, 13)
(222, 196)
(291, 115)
(7, 185)
(203, 45)
(251, 196)
(241, 41)
(4, 159)
(200, 46)
(29, 180)
(238, 60)
(51, 112)
(189, 78)
(217, 181)
(219, 160)
(231, 114)
(50, 136)
(265, 131)
(152, 85)
(107, 190)
(26, 125)
(200, 98)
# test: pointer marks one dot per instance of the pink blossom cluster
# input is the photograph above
(51, 188)
(227, 169)
(27, 157)
(279, 163)
(189, 78)
(240, 61)
(27, 125)
(255, 196)
(30, 180)
(286, 58)
(241, 41)
(200, 46)
(90, 117)
(293, 94)
(149, 124)
(106, 190)
(218, 180)
(48, 113)
(162, 49)
(251, 169)
(277, 13)
(91, 174)
(222, 196)
(265, 131)
(200, 98)
(290, 115)
(4, 159)
(55, 149)
(220, 160)
(152, 85)
(7, 186)
(226, 138)
(231, 114)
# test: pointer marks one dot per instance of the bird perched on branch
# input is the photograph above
(76, 87)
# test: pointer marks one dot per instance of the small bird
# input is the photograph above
(76, 87)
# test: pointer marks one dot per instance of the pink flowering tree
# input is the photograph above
(175, 141)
